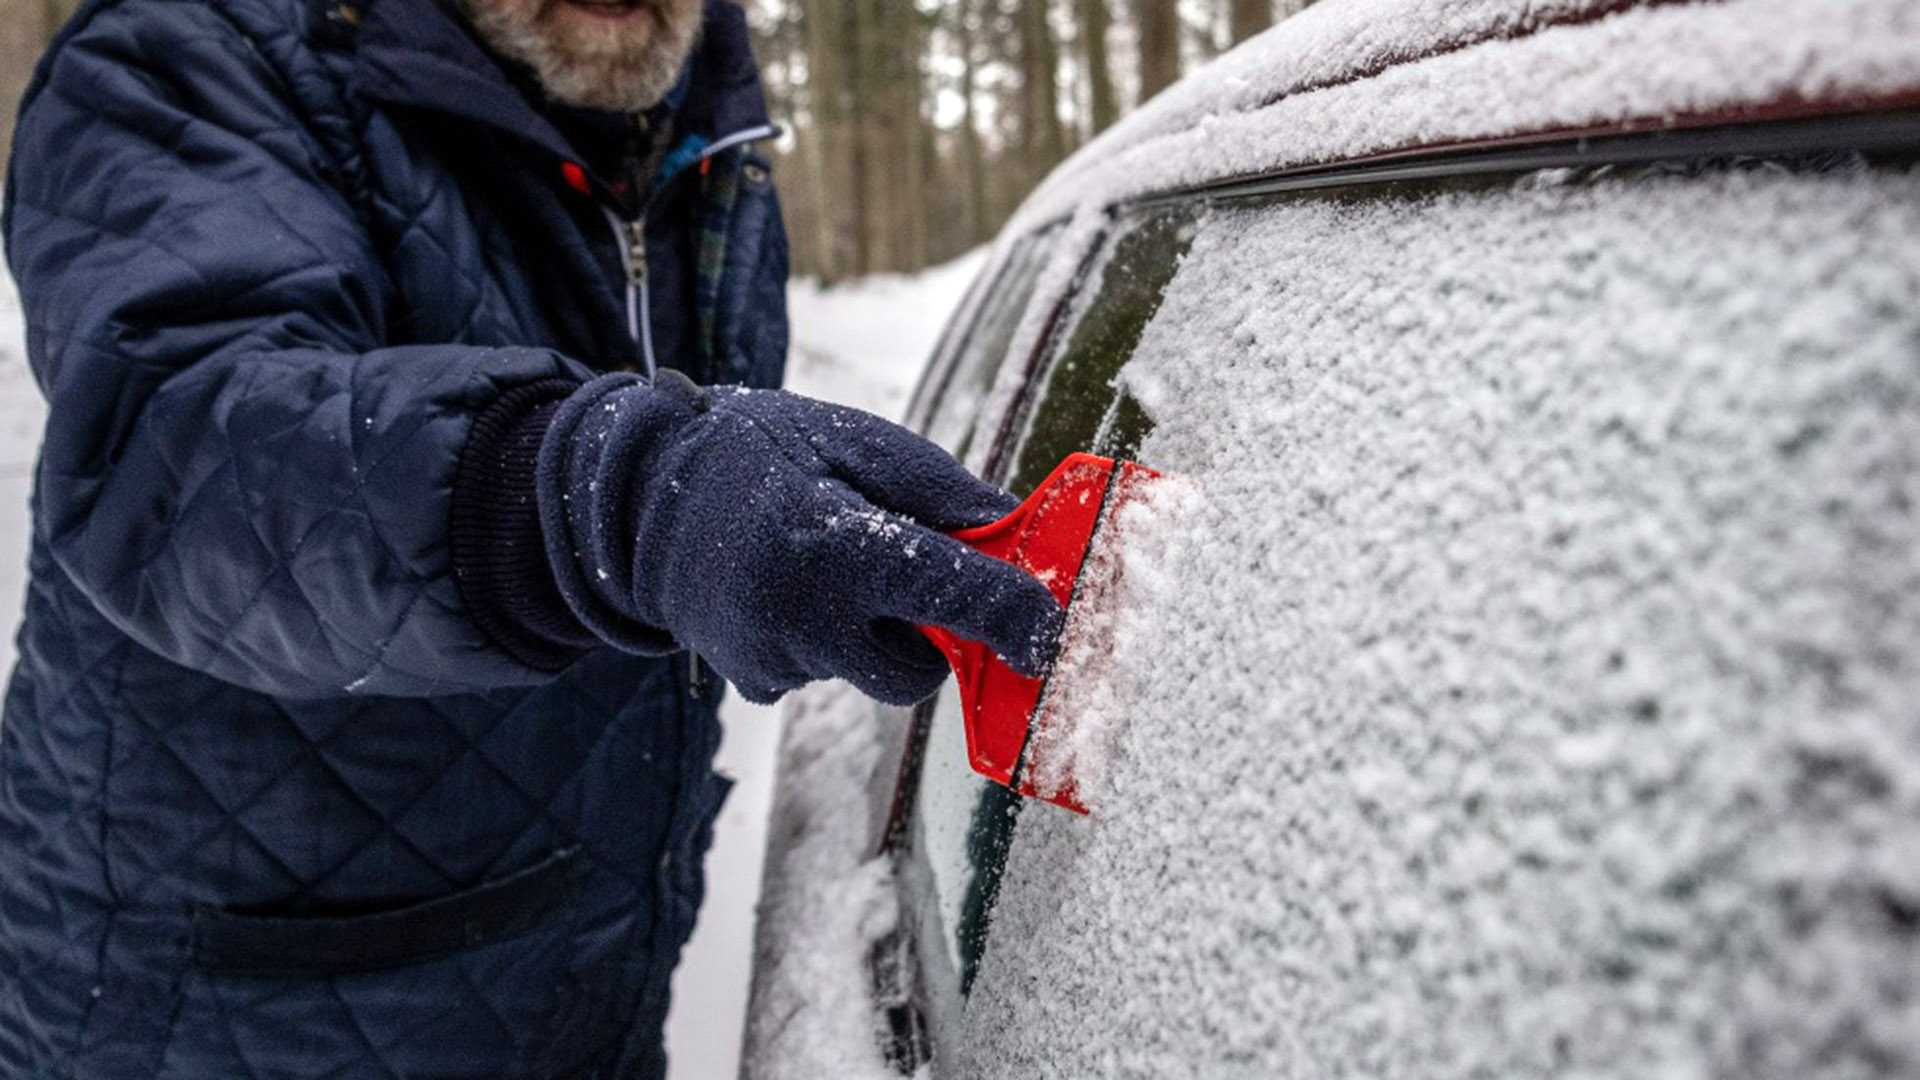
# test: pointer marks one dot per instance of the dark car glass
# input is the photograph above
(1122, 429)
(1077, 407)
(967, 379)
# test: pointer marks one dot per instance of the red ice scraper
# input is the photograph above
(1049, 536)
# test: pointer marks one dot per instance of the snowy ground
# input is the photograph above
(862, 344)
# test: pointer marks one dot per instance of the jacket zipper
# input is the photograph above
(630, 236)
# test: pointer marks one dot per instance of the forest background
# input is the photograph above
(914, 127)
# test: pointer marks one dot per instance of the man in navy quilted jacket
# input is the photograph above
(412, 464)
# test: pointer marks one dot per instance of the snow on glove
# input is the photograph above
(782, 538)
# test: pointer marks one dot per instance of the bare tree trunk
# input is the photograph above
(20, 43)
(24, 34)
(929, 211)
(972, 153)
(999, 37)
(1041, 137)
(1246, 18)
(904, 174)
(888, 104)
(777, 32)
(835, 148)
(927, 203)
(1102, 109)
(867, 139)
(1158, 32)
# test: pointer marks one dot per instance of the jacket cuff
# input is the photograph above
(499, 557)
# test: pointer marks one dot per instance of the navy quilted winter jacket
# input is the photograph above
(279, 795)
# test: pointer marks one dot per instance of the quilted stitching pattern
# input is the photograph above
(265, 312)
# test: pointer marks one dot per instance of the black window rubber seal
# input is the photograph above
(235, 941)
(1893, 129)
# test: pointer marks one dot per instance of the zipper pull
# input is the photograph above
(636, 231)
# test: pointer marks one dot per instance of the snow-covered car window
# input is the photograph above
(962, 824)
(1546, 534)
(966, 378)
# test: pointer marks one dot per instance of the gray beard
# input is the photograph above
(610, 70)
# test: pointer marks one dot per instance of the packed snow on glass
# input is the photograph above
(1518, 681)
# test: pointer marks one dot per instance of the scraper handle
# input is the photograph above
(1048, 536)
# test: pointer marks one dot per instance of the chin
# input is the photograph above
(620, 55)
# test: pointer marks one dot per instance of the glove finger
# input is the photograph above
(762, 683)
(878, 672)
(757, 694)
(897, 470)
(904, 641)
(947, 584)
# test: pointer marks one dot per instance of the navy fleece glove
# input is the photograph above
(782, 538)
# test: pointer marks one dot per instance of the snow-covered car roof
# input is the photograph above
(1352, 79)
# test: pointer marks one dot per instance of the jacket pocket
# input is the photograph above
(236, 941)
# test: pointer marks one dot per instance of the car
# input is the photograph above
(1517, 670)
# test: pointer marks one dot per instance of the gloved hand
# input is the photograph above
(782, 538)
